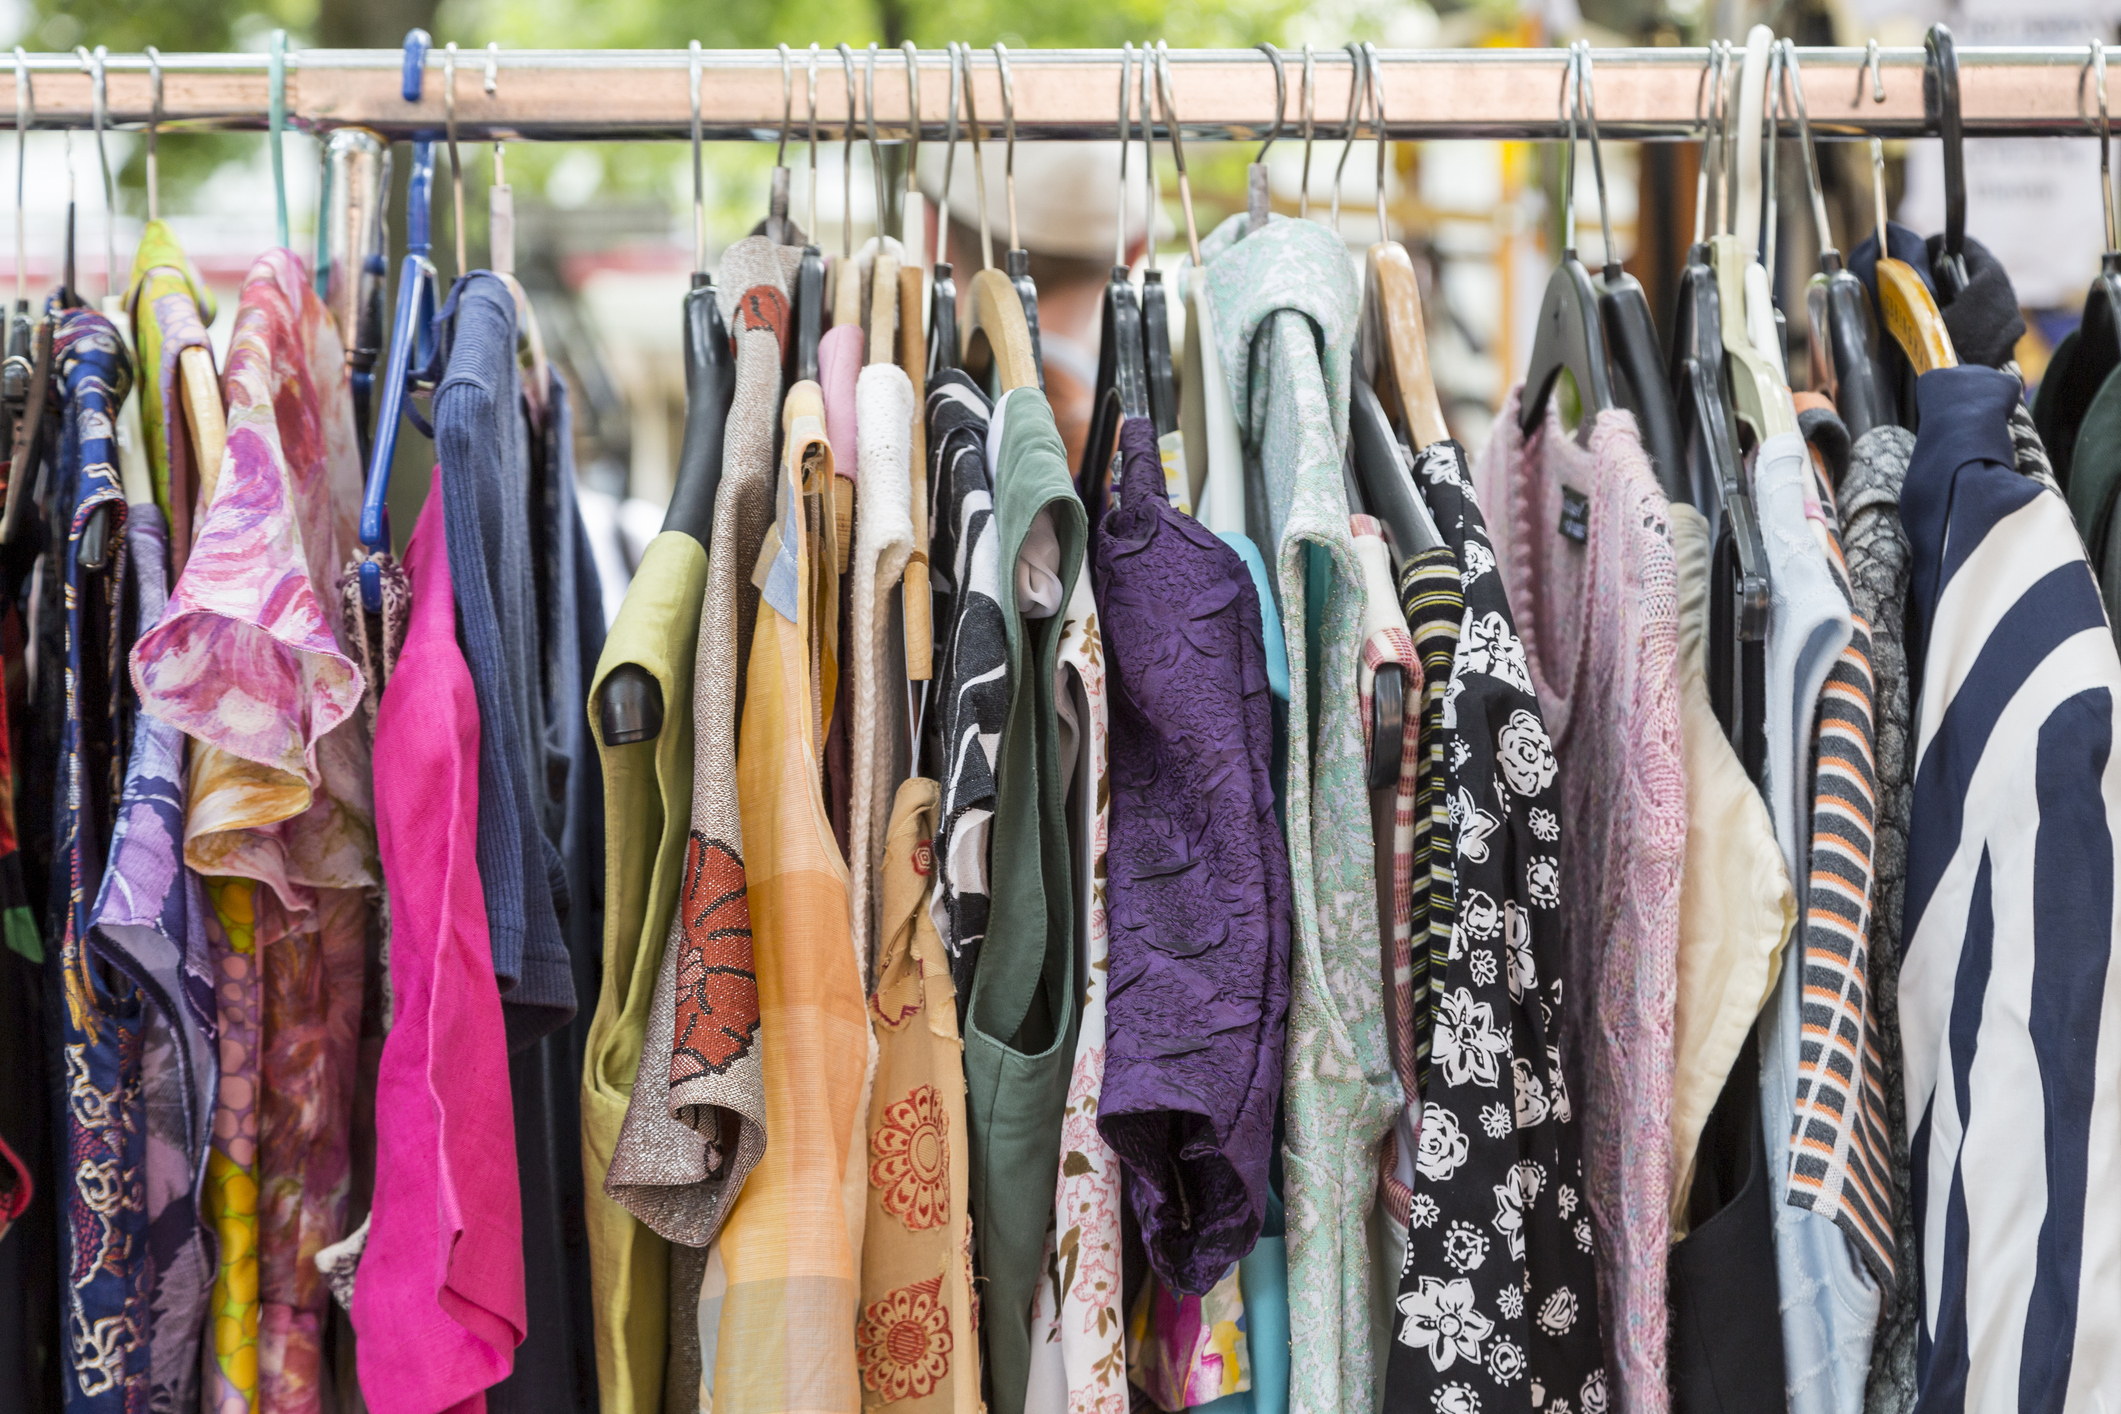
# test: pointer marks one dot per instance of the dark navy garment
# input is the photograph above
(482, 442)
(1197, 892)
(555, 1366)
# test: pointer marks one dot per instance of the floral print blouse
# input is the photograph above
(1497, 1306)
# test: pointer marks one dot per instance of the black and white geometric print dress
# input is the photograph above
(1497, 1306)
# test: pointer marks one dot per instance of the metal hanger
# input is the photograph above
(1016, 260)
(1156, 309)
(414, 350)
(275, 126)
(883, 320)
(911, 229)
(845, 276)
(942, 298)
(26, 374)
(1303, 197)
(1257, 200)
(1571, 332)
(810, 273)
(1122, 374)
(1358, 83)
(500, 197)
(997, 336)
(1940, 80)
(1644, 386)
(1844, 339)
(456, 165)
(777, 228)
(99, 115)
(1392, 317)
(95, 535)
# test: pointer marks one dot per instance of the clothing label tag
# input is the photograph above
(1575, 515)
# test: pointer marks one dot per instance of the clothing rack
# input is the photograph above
(569, 95)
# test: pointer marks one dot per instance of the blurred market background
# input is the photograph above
(604, 231)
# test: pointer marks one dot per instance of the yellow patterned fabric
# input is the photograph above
(647, 804)
(915, 1342)
(786, 1319)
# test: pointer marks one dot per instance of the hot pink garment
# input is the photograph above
(1599, 617)
(839, 369)
(438, 1303)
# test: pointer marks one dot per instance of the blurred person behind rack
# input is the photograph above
(1067, 212)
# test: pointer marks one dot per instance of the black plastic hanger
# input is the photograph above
(2072, 383)
(1571, 326)
(1940, 94)
(1631, 334)
(1122, 376)
(1844, 342)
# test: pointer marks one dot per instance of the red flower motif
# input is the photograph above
(718, 993)
(904, 1342)
(910, 1152)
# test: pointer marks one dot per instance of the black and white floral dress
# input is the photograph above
(1497, 1306)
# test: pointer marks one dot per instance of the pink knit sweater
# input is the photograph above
(1599, 617)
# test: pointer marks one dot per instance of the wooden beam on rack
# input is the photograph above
(553, 95)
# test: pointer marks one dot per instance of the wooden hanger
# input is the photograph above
(913, 358)
(1912, 318)
(997, 336)
(1404, 383)
(1905, 305)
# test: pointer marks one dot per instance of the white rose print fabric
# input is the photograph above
(1497, 1306)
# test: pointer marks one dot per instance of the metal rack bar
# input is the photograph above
(563, 95)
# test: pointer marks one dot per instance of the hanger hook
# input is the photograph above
(1303, 197)
(699, 180)
(876, 165)
(492, 85)
(1878, 191)
(1152, 193)
(99, 109)
(1870, 67)
(1794, 77)
(1587, 102)
(979, 166)
(1719, 118)
(1772, 110)
(456, 167)
(25, 114)
(913, 115)
(1281, 97)
(1167, 104)
(1358, 84)
(1126, 91)
(780, 152)
(812, 69)
(1375, 67)
(154, 121)
(1571, 100)
(1941, 73)
(276, 123)
(1001, 64)
(942, 205)
(2106, 143)
(847, 157)
(1704, 112)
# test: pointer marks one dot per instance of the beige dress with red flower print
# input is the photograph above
(916, 1340)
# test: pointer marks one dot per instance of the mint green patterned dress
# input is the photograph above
(1285, 308)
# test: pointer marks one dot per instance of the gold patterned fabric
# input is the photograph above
(915, 1342)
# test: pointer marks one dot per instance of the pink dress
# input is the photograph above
(438, 1304)
(1581, 537)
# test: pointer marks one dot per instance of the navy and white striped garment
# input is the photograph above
(2009, 1001)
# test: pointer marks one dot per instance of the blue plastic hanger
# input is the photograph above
(412, 335)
